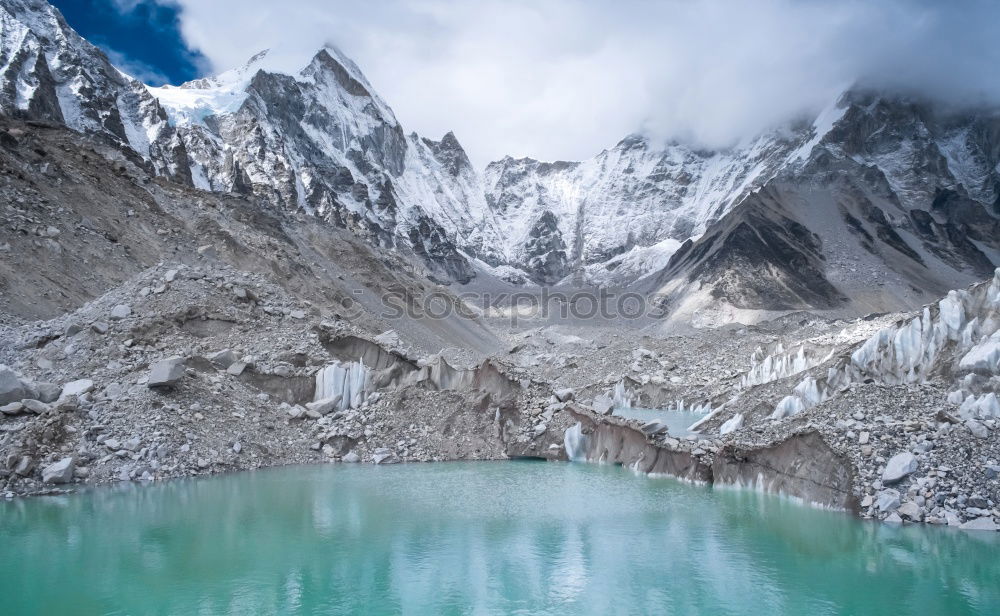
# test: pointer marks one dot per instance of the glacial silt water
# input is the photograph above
(473, 538)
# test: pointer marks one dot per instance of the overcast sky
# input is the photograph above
(563, 79)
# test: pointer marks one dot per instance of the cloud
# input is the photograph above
(134, 68)
(561, 79)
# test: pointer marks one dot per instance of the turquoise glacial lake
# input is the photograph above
(473, 538)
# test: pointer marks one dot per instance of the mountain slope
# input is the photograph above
(49, 73)
(878, 203)
(893, 206)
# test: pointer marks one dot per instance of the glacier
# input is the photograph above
(958, 339)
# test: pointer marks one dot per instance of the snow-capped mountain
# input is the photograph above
(630, 205)
(877, 203)
(322, 140)
(895, 203)
(49, 72)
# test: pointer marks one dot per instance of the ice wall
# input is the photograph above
(575, 442)
(347, 381)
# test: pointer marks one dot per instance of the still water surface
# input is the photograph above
(479, 538)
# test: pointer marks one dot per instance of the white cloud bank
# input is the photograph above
(562, 79)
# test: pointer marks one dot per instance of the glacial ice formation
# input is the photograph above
(575, 442)
(958, 338)
(765, 368)
(621, 396)
(349, 380)
(731, 425)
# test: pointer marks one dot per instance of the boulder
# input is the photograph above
(11, 387)
(25, 464)
(603, 405)
(48, 392)
(351, 458)
(977, 429)
(898, 467)
(12, 409)
(166, 373)
(324, 406)
(59, 472)
(983, 523)
(35, 406)
(237, 368)
(910, 511)
(887, 500)
(99, 327)
(383, 455)
(977, 501)
(653, 427)
(119, 312)
(223, 359)
(564, 395)
(77, 388)
(244, 295)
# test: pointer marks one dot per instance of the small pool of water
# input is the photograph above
(481, 538)
(677, 421)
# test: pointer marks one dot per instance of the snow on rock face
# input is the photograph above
(635, 195)
(48, 72)
(320, 140)
(323, 141)
(956, 338)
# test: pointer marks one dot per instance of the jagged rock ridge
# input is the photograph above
(878, 203)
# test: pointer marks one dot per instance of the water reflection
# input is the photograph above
(479, 537)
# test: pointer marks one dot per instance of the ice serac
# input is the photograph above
(954, 338)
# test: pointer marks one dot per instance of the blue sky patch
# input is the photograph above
(140, 37)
